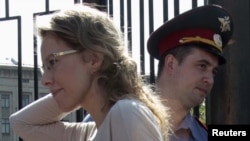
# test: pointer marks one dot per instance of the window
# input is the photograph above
(42, 95)
(5, 100)
(25, 80)
(5, 126)
(25, 100)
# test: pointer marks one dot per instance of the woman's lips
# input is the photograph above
(55, 92)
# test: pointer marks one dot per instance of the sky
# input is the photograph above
(8, 28)
(26, 8)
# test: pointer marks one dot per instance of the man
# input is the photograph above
(189, 49)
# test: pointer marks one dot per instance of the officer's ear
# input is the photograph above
(170, 63)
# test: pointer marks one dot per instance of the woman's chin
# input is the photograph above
(67, 108)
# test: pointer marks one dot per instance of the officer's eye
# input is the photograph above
(215, 71)
(202, 66)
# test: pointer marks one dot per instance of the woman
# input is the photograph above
(85, 66)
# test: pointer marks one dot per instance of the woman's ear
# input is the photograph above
(94, 60)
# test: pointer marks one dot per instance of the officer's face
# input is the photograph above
(194, 77)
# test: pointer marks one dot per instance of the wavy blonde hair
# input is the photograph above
(86, 28)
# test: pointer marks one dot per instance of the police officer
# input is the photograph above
(189, 49)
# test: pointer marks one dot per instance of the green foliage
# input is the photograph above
(202, 112)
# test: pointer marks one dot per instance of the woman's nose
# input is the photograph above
(46, 79)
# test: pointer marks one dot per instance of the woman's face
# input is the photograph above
(67, 76)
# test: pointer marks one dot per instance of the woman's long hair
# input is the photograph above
(86, 28)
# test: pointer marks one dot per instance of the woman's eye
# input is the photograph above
(51, 63)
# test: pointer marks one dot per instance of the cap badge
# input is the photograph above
(217, 40)
(225, 24)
